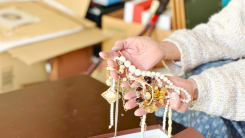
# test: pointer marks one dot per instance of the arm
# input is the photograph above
(221, 38)
(221, 91)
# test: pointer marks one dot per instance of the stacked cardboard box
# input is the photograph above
(25, 64)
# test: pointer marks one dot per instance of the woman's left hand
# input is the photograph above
(188, 84)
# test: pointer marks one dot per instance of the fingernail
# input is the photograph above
(174, 96)
(117, 42)
(114, 48)
(126, 107)
(126, 97)
(136, 114)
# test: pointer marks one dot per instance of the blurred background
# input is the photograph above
(47, 40)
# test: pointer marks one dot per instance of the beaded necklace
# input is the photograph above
(153, 91)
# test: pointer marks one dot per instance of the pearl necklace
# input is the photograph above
(154, 89)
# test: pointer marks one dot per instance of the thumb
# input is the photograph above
(118, 46)
(174, 101)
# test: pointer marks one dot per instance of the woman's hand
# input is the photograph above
(143, 52)
(189, 85)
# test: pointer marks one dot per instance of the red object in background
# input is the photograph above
(93, 4)
(139, 8)
(154, 19)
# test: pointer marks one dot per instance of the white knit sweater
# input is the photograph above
(221, 91)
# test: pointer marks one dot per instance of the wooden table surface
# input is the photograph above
(68, 108)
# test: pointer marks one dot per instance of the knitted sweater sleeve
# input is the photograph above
(223, 37)
(221, 91)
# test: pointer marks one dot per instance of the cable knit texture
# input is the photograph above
(221, 90)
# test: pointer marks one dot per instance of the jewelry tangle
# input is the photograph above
(152, 94)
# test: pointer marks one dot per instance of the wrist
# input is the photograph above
(170, 51)
(194, 89)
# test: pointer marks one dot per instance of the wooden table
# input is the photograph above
(68, 108)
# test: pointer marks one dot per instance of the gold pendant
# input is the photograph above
(150, 108)
(110, 95)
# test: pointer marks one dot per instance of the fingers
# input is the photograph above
(130, 104)
(118, 46)
(140, 112)
(125, 84)
(176, 104)
(135, 84)
(112, 64)
(109, 55)
(130, 95)
(114, 74)
(174, 101)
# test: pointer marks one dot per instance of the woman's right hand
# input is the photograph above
(142, 51)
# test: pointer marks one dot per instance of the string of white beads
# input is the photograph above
(143, 126)
(169, 123)
(148, 73)
(177, 90)
(165, 115)
(153, 73)
(138, 72)
(143, 73)
(132, 68)
(158, 74)
(122, 58)
(127, 63)
(111, 115)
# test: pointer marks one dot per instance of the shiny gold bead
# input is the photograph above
(108, 82)
(170, 122)
(121, 70)
(169, 114)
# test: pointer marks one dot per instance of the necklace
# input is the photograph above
(153, 91)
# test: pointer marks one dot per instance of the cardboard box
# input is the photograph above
(36, 52)
(114, 26)
(50, 24)
(70, 64)
(14, 74)
(26, 64)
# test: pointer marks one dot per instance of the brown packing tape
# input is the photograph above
(36, 52)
